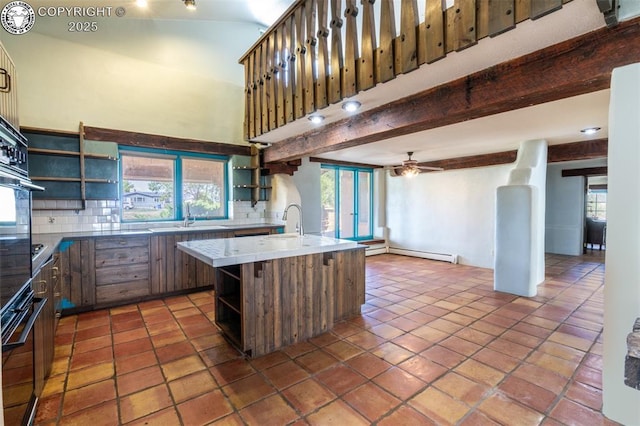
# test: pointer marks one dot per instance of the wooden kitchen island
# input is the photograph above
(275, 290)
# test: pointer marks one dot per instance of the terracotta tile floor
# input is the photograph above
(434, 345)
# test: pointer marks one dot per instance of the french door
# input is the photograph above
(347, 201)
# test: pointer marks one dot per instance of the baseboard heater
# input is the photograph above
(453, 258)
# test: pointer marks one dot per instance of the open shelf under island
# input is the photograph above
(275, 290)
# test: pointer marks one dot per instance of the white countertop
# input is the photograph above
(235, 251)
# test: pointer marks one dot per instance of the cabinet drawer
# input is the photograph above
(122, 274)
(121, 242)
(124, 291)
(122, 256)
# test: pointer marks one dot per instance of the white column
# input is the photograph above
(622, 276)
(520, 223)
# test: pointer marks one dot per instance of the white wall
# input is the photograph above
(622, 277)
(451, 212)
(565, 208)
(62, 82)
(307, 180)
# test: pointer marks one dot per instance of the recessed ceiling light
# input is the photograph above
(351, 106)
(141, 3)
(316, 118)
(590, 130)
(190, 4)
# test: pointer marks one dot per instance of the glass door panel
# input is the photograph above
(347, 204)
(328, 191)
(364, 204)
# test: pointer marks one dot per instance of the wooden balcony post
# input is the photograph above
(335, 89)
(298, 100)
(384, 54)
(323, 55)
(349, 74)
(406, 52)
(310, 63)
(366, 63)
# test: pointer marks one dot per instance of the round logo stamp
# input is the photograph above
(17, 17)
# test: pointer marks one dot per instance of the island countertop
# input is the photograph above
(235, 251)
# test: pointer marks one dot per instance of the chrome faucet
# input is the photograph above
(187, 221)
(284, 216)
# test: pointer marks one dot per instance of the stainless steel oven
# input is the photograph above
(19, 309)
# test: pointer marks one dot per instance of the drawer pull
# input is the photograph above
(42, 287)
(6, 87)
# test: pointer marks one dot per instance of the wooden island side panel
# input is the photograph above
(291, 299)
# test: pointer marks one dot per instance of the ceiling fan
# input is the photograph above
(410, 167)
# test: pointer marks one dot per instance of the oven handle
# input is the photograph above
(27, 328)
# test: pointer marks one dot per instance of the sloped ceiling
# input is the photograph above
(166, 33)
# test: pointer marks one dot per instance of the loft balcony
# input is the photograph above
(323, 51)
(320, 53)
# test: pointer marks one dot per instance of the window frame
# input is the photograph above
(356, 201)
(176, 156)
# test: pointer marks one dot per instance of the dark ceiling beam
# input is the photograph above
(587, 150)
(584, 150)
(483, 160)
(343, 163)
(145, 140)
(589, 171)
(570, 68)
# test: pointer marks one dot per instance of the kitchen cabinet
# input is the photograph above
(248, 182)
(274, 291)
(173, 270)
(71, 168)
(44, 287)
(264, 306)
(8, 92)
(78, 278)
(121, 269)
(104, 271)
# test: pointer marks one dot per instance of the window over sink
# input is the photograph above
(163, 185)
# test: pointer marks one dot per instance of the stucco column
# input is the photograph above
(520, 223)
(622, 276)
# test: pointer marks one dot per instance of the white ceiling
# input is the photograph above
(165, 32)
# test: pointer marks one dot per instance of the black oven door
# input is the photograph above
(18, 373)
(15, 238)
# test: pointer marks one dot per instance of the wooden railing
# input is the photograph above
(323, 51)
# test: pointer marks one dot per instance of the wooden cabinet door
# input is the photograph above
(122, 268)
(77, 274)
(173, 270)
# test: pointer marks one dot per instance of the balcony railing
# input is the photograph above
(323, 51)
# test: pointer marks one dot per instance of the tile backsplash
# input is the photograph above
(53, 216)
(68, 216)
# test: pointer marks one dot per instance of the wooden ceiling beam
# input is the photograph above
(570, 68)
(587, 150)
(589, 171)
(145, 140)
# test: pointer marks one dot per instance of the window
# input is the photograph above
(166, 185)
(597, 204)
(347, 202)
